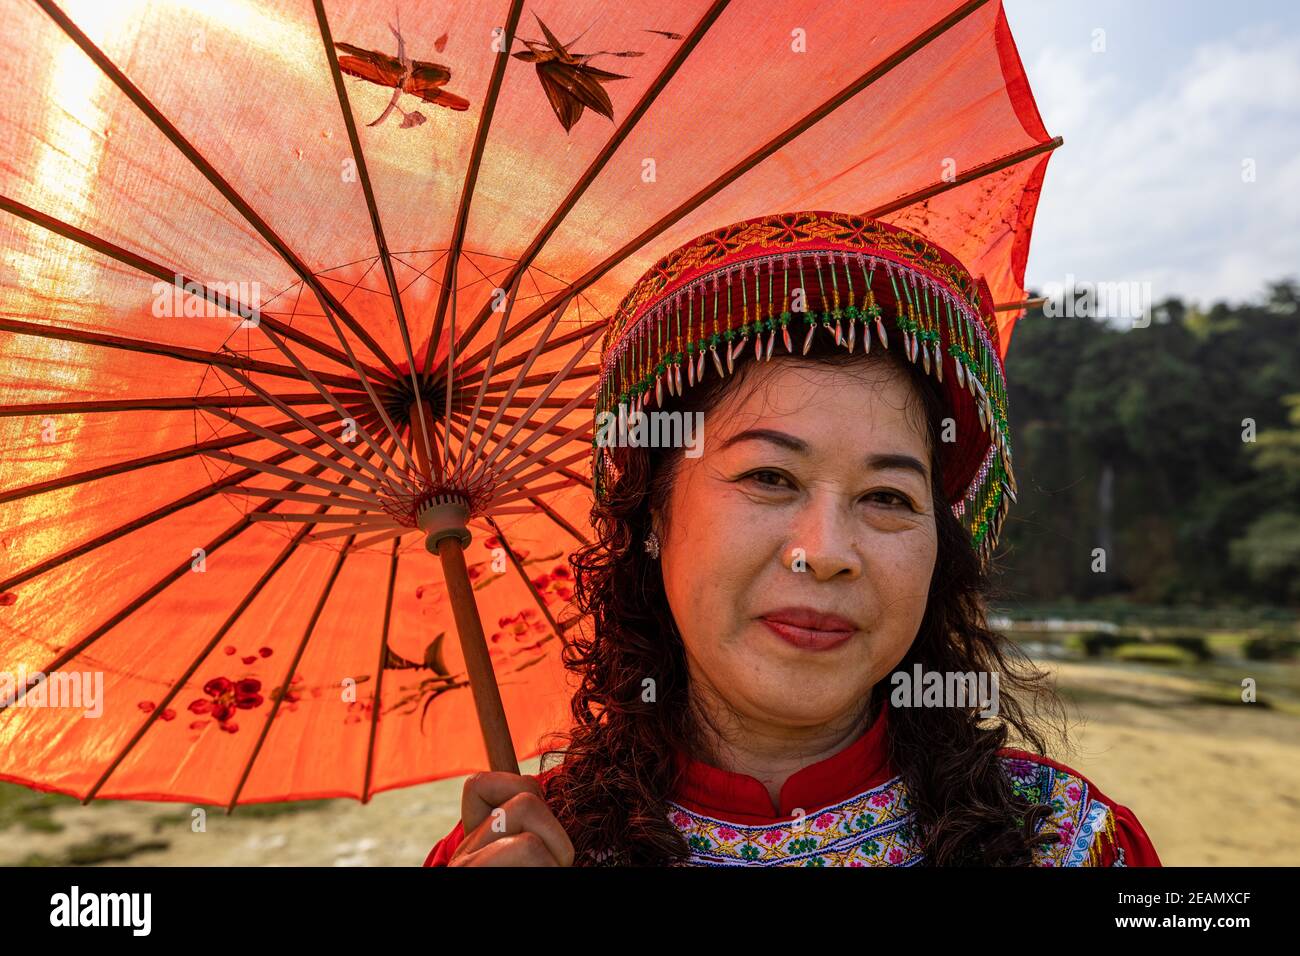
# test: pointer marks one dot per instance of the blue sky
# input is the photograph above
(1158, 127)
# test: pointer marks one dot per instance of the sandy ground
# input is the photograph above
(1212, 785)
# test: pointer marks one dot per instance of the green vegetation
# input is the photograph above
(30, 809)
(1137, 440)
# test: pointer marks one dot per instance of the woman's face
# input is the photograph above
(800, 543)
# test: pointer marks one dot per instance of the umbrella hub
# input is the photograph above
(444, 516)
(398, 398)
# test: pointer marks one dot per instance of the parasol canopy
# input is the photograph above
(264, 266)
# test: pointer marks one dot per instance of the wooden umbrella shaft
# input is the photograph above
(482, 680)
(450, 548)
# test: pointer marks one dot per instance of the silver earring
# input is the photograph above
(652, 544)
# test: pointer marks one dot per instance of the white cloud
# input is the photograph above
(1148, 185)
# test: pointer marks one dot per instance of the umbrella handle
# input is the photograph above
(482, 680)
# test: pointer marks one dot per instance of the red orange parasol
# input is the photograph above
(289, 292)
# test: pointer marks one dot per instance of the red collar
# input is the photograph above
(740, 798)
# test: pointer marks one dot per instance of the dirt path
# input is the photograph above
(1213, 785)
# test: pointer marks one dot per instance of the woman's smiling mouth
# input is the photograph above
(808, 629)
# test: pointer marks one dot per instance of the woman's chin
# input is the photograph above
(799, 686)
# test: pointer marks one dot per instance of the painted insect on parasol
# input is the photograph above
(262, 351)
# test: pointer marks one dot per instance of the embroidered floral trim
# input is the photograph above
(872, 829)
(876, 828)
(1086, 825)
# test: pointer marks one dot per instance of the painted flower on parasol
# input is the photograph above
(385, 345)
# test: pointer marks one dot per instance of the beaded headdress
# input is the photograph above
(735, 291)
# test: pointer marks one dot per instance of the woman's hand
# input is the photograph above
(522, 832)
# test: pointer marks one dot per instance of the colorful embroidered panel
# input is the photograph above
(875, 828)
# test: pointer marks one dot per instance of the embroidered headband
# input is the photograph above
(791, 274)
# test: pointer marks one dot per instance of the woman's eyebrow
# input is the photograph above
(788, 442)
(878, 462)
(898, 461)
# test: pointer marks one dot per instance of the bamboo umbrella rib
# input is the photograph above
(310, 479)
(391, 529)
(560, 520)
(278, 495)
(355, 526)
(511, 481)
(545, 428)
(512, 467)
(329, 439)
(176, 403)
(514, 496)
(293, 669)
(194, 497)
(159, 271)
(564, 471)
(376, 405)
(158, 458)
(573, 403)
(248, 599)
(970, 175)
(449, 381)
(487, 374)
(365, 383)
(471, 176)
(379, 674)
(520, 401)
(542, 378)
(527, 416)
(381, 484)
(363, 173)
(178, 352)
(523, 375)
(329, 302)
(551, 513)
(576, 335)
(749, 162)
(362, 543)
(684, 50)
(528, 582)
(508, 420)
(361, 423)
(180, 683)
(294, 517)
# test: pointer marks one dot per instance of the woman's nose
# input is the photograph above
(822, 539)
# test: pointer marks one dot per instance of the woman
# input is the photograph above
(787, 659)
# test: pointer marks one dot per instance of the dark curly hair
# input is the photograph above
(617, 771)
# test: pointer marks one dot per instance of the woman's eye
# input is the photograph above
(772, 479)
(892, 498)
